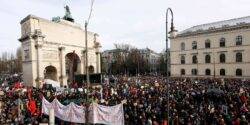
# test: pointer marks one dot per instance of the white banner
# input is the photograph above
(70, 113)
(46, 106)
(61, 111)
(111, 115)
(77, 113)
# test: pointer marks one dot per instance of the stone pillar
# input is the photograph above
(39, 71)
(82, 64)
(98, 63)
(83, 61)
(39, 39)
(63, 79)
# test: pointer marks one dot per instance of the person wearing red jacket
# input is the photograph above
(32, 106)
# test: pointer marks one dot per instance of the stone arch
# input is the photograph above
(72, 64)
(50, 72)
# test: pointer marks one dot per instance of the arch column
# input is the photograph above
(83, 61)
(39, 71)
(39, 39)
(63, 78)
(82, 64)
(98, 63)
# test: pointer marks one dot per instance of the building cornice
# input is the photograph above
(217, 63)
(209, 49)
(213, 30)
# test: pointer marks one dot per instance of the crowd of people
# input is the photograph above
(146, 101)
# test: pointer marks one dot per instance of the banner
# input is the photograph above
(46, 106)
(70, 113)
(111, 115)
(61, 111)
(77, 113)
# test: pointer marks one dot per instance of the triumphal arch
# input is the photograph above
(55, 49)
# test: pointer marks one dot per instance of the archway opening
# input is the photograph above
(50, 72)
(72, 61)
(91, 69)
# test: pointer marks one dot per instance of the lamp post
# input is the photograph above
(171, 30)
(86, 59)
(167, 53)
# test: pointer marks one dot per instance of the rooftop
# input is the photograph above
(219, 24)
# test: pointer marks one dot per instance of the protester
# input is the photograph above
(145, 98)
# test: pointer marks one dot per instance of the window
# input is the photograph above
(183, 59)
(182, 46)
(207, 59)
(183, 72)
(194, 58)
(194, 72)
(194, 45)
(238, 57)
(207, 43)
(222, 72)
(222, 42)
(238, 72)
(222, 58)
(208, 72)
(238, 40)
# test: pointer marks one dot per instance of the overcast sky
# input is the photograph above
(140, 23)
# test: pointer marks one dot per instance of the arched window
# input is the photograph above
(194, 45)
(222, 58)
(238, 72)
(207, 43)
(207, 59)
(182, 46)
(208, 72)
(194, 71)
(238, 57)
(222, 42)
(50, 72)
(183, 72)
(183, 59)
(195, 60)
(222, 72)
(91, 69)
(238, 40)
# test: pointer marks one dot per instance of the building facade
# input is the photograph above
(151, 57)
(56, 50)
(220, 49)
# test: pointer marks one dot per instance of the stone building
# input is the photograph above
(151, 57)
(219, 49)
(56, 50)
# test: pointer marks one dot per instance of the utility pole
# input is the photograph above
(214, 64)
(86, 62)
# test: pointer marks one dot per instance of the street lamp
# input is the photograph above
(171, 30)
(167, 53)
